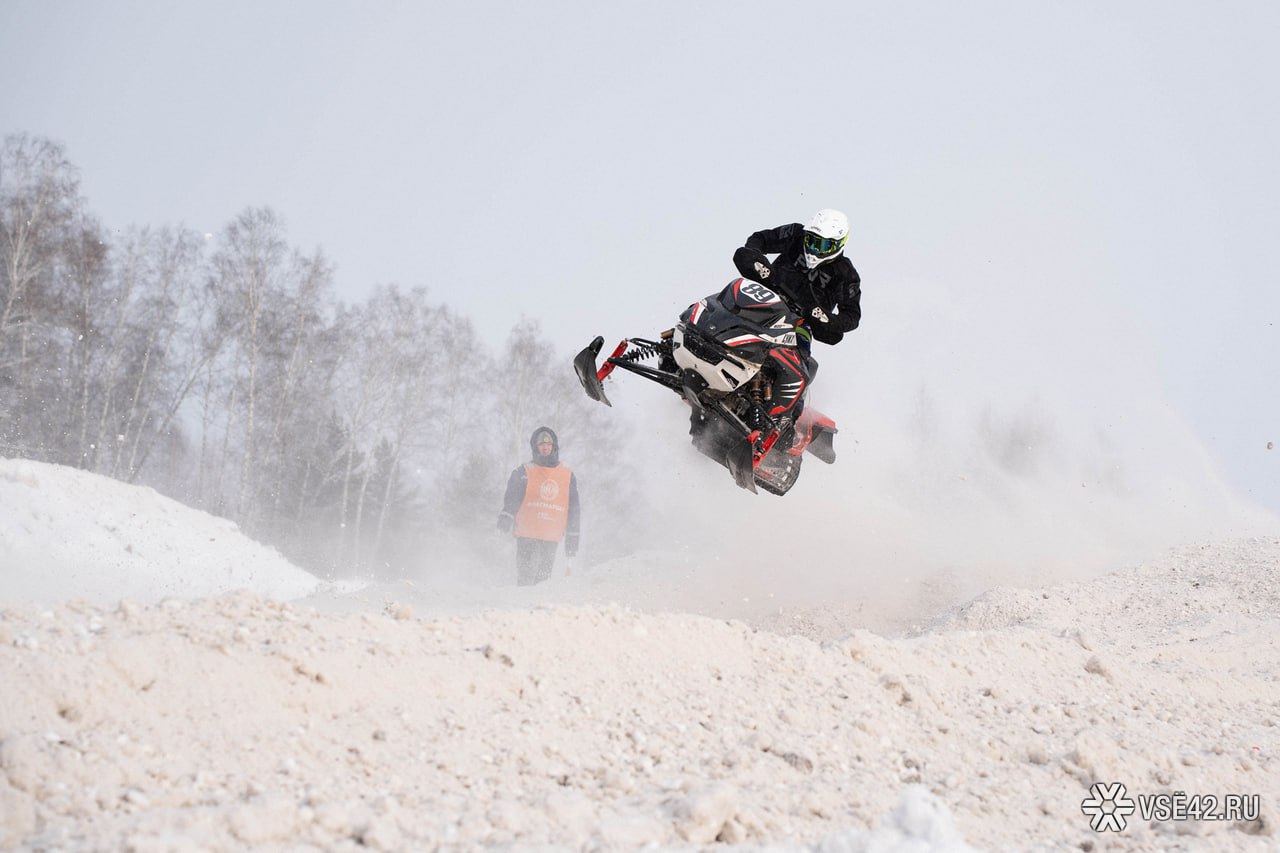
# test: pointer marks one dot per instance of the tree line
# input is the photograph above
(222, 371)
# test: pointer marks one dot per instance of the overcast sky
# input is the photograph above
(1072, 202)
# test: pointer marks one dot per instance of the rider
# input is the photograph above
(818, 282)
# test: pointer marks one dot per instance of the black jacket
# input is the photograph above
(834, 288)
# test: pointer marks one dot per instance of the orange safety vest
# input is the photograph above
(545, 511)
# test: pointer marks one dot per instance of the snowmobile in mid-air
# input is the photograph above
(717, 358)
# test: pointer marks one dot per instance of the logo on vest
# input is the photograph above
(549, 490)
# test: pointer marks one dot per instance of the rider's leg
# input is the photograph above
(791, 379)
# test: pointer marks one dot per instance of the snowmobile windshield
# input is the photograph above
(816, 244)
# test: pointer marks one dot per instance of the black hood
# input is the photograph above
(551, 460)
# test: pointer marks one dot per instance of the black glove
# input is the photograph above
(753, 265)
(505, 522)
(826, 333)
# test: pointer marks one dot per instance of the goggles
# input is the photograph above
(816, 244)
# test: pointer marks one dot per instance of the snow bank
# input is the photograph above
(71, 534)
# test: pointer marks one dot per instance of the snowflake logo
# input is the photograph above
(1107, 806)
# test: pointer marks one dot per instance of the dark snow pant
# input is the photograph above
(534, 558)
(791, 377)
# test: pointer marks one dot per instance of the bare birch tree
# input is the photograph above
(174, 315)
(247, 268)
(39, 198)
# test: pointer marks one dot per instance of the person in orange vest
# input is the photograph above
(540, 508)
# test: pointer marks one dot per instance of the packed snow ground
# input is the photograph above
(169, 685)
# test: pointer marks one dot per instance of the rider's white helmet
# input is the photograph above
(824, 237)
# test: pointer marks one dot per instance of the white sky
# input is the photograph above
(1065, 201)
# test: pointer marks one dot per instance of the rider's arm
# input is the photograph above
(847, 298)
(760, 244)
(773, 240)
(848, 303)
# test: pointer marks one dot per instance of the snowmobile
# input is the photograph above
(717, 359)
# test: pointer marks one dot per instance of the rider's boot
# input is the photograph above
(786, 433)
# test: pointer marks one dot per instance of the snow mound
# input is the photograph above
(237, 722)
(71, 534)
